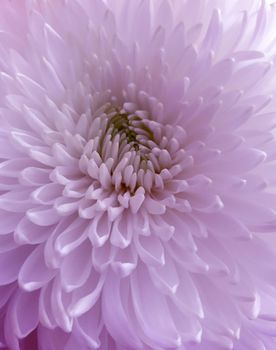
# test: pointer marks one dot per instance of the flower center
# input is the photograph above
(131, 130)
(129, 154)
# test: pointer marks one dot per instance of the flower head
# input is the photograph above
(137, 175)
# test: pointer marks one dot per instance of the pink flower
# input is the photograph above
(137, 175)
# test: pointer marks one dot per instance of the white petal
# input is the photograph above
(76, 267)
(150, 250)
(46, 316)
(165, 277)
(34, 273)
(115, 314)
(88, 327)
(84, 298)
(30, 233)
(25, 313)
(11, 262)
(150, 306)
(71, 237)
(125, 261)
(43, 216)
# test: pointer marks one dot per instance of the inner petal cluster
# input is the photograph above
(128, 156)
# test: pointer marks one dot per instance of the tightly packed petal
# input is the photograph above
(137, 175)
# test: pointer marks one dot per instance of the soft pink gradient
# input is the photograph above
(137, 175)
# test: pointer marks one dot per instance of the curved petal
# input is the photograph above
(152, 311)
(115, 314)
(24, 313)
(34, 273)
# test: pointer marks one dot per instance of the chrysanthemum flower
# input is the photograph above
(137, 175)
